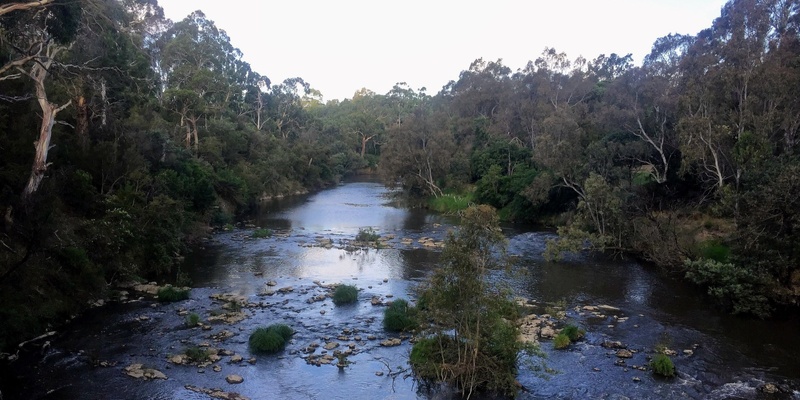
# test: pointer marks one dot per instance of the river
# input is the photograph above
(718, 356)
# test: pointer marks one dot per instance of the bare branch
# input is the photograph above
(11, 7)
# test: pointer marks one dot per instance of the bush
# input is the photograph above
(197, 354)
(367, 235)
(262, 233)
(561, 341)
(284, 330)
(270, 340)
(399, 316)
(192, 320)
(169, 294)
(573, 332)
(662, 365)
(345, 294)
(715, 250)
(735, 286)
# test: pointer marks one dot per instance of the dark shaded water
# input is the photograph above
(731, 357)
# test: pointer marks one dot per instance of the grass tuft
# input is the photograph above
(170, 294)
(561, 341)
(345, 294)
(271, 339)
(399, 316)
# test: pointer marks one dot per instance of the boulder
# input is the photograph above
(624, 353)
(547, 332)
(138, 371)
(613, 344)
(391, 342)
(330, 345)
(234, 379)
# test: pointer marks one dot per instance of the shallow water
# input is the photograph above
(731, 357)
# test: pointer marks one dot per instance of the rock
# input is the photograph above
(624, 353)
(272, 283)
(149, 288)
(613, 344)
(547, 332)
(391, 342)
(216, 393)
(236, 358)
(636, 379)
(139, 372)
(286, 289)
(330, 345)
(234, 379)
(178, 359)
(379, 373)
(769, 388)
(376, 301)
(371, 337)
(688, 352)
(217, 368)
(670, 352)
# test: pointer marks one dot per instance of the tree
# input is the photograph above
(35, 38)
(418, 153)
(471, 342)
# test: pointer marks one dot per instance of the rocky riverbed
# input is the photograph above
(134, 347)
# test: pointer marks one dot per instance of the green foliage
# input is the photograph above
(714, 250)
(284, 330)
(170, 294)
(740, 288)
(262, 233)
(367, 235)
(192, 320)
(662, 365)
(345, 294)
(197, 354)
(573, 332)
(399, 316)
(271, 339)
(561, 341)
(469, 316)
(450, 203)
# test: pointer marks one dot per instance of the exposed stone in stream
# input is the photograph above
(138, 371)
(216, 393)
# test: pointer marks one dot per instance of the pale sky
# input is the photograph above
(340, 46)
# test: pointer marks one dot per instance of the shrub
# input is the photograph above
(573, 332)
(169, 294)
(267, 340)
(714, 250)
(561, 341)
(735, 286)
(399, 316)
(367, 235)
(192, 320)
(197, 354)
(284, 330)
(662, 365)
(345, 294)
(262, 233)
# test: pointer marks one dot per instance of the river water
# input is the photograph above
(729, 357)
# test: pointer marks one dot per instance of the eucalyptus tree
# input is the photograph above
(34, 37)
(202, 73)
